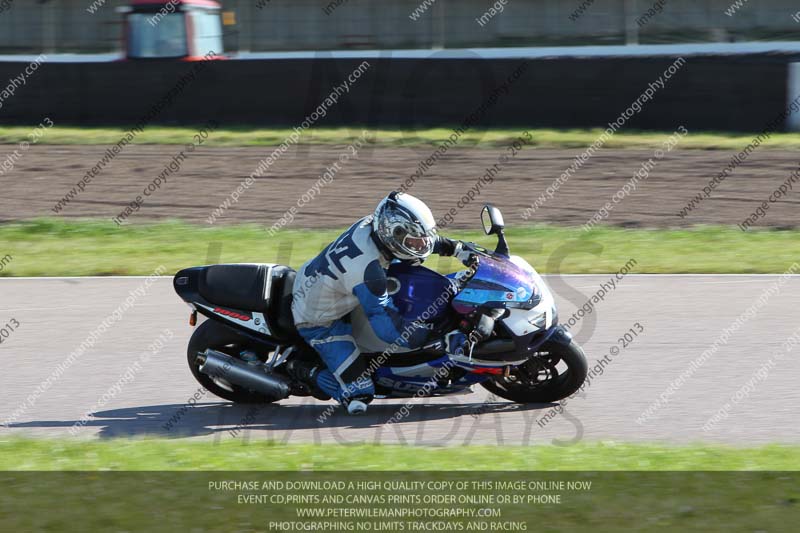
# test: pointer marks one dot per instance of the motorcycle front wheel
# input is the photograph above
(557, 371)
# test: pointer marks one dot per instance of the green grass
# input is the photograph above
(251, 136)
(178, 485)
(230, 455)
(50, 247)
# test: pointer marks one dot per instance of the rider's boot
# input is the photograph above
(356, 407)
(323, 386)
(354, 397)
(306, 373)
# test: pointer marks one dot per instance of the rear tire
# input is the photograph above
(217, 336)
(529, 386)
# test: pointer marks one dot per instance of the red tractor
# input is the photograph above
(177, 29)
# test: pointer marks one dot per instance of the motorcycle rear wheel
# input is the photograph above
(212, 334)
(540, 380)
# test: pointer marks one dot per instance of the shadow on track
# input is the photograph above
(279, 421)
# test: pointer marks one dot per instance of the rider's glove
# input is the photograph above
(451, 247)
(445, 246)
(462, 254)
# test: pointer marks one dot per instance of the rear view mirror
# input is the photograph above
(492, 220)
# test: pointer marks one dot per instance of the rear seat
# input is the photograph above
(240, 286)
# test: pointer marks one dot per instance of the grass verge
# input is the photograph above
(253, 136)
(230, 455)
(170, 485)
(51, 247)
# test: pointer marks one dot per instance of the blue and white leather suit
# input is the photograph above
(349, 272)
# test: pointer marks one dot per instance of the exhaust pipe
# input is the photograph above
(219, 365)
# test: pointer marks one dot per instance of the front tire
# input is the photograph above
(541, 380)
(217, 336)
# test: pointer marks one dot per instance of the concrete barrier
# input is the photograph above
(708, 93)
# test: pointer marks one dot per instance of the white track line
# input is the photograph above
(64, 278)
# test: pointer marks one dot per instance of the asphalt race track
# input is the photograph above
(681, 317)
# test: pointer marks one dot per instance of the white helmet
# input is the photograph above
(405, 226)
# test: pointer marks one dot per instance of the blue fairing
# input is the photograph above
(413, 384)
(419, 289)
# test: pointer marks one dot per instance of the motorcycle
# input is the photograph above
(515, 347)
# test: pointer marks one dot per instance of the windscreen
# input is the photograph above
(497, 281)
(207, 32)
(154, 38)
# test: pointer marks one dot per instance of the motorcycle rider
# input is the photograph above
(351, 271)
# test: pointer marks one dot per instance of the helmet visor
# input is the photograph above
(420, 246)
